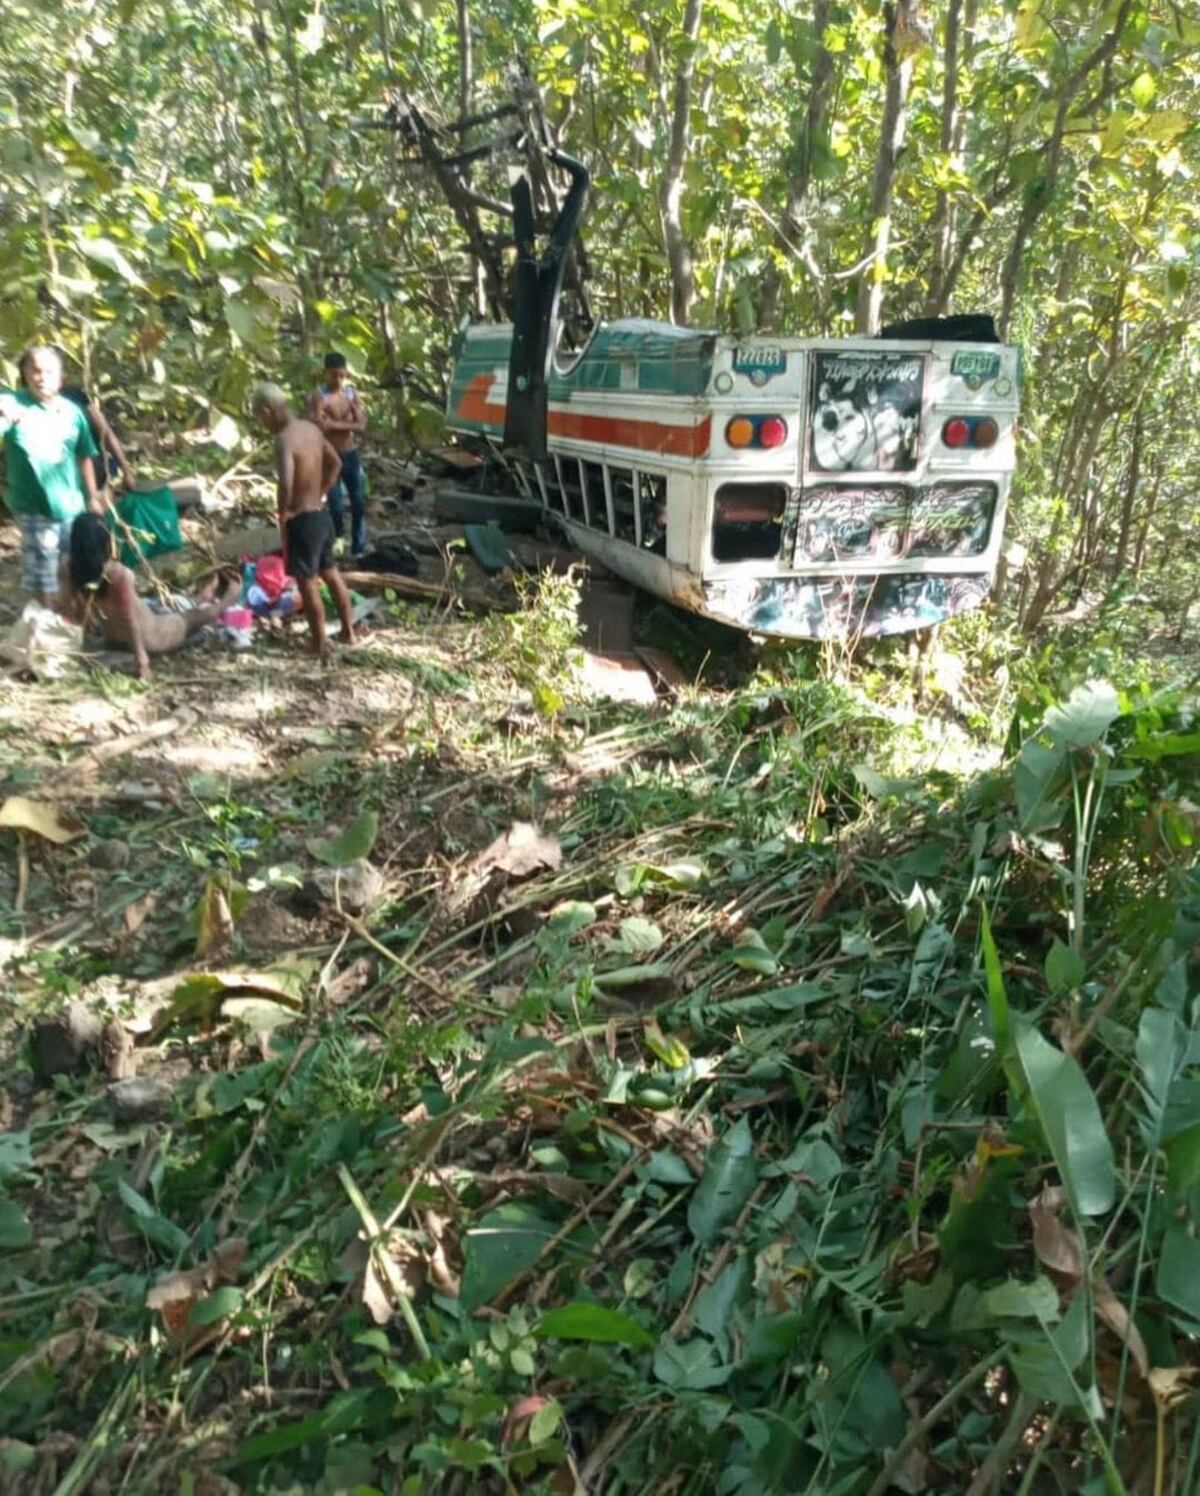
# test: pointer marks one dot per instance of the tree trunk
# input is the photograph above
(953, 121)
(820, 89)
(1052, 574)
(891, 139)
(1129, 496)
(1139, 559)
(670, 199)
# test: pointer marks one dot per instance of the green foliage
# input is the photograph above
(538, 644)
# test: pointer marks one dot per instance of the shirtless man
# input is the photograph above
(102, 591)
(335, 407)
(307, 466)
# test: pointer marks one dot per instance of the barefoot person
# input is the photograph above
(307, 467)
(103, 593)
(337, 410)
(49, 449)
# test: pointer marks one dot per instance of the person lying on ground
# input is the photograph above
(307, 466)
(104, 593)
(335, 407)
(51, 480)
(112, 458)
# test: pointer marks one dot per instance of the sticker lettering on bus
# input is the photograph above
(759, 362)
(865, 411)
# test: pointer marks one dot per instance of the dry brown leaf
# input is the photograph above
(1061, 1251)
(1115, 1315)
(375, 1297)
(135, 914)
(348, 983)
(44, 820)
(441, 1274)
(174, 1294)
(521, 851)
(1171, 1386)
(1056, 1247)
(215, 929)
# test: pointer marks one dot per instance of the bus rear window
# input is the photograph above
(747, 521)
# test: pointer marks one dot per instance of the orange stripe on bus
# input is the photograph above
(474, 404)
(621, 431)
(617, 431)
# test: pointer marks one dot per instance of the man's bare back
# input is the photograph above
(308, 465)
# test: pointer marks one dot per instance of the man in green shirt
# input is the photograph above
(48, 447)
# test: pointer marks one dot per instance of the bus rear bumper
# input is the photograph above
(842, 607)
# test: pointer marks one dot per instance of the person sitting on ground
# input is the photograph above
(112, 459)
(307, 466)
(51, 480)
(337, 410)
(103, 592)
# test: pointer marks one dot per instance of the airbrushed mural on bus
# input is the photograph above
(801, 487)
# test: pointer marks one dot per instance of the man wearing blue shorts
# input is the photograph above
(48, 447)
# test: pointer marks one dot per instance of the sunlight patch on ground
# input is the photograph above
(230, 756)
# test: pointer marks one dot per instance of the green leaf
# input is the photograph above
(1142, 89)
(1016, 1300)
(501, 1244)
(350, 844)
(672, 1051)
(716, 1302)
(545, 1421)
(1070, 1118)
(998, 1008)
(690, 1367)
(1038, 775)
(813, 1158)
(751, 952)
(15, 1230)
(243, 320)
(1162, 1052)
(1064, 968)
(631, 976)
(219, 1304)
(571, 916)
(16, 1153)
(639, 936)
(582, 1321)
(729, 1178)
(1044, 1363)
(1183, 1161)
(1084, 717)
(105, 252)
(1178, 1279)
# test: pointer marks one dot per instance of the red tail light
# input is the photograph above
(973, 431)
(756, 431)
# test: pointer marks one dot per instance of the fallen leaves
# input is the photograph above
(520, 852)
(191, 1302)
(1060, 1250)
(41, 818)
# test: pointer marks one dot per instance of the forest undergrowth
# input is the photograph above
(788, 1088)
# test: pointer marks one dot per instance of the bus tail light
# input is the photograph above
(756, 431)
(970, 431)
